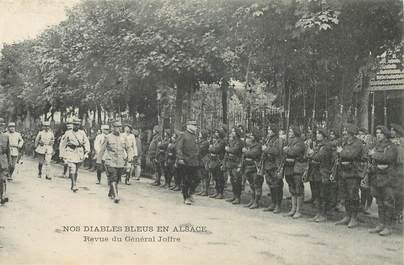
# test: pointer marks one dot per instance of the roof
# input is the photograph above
(390, 75)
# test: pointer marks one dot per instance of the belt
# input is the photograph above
(249, 159)
(314, 162)
(345, 163)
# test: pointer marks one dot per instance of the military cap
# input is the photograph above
(384, 130)
(399, 130)
(156, 128)
(105, 127)
(11, 124)
(117, 124)
(221, 132)
(351, 128)
(128, 125)
(69, 126)
(323, 131)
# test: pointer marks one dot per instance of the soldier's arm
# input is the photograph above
(20, 141)
(323, 153)
(295, 150)
(353, 152)
(102, 149)
(235, 149)
(37, 138)
(52, 140)
(218, 148)
(388, 156)
(86, 143)
(254, 153)
(178, 148)
(274, 150)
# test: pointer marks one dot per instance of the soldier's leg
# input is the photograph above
(380, 210)
(389, 204)
(12, 167)
(344, 189)
(72, 175)
(99, 169)
(298, 179)
(114, 174)
(65, 168)
(269, 180)
(186, 183)
(195, 179)
(237, 186)
(292, 191)
(233, 188)
(250, 178)
(278, 189)
(3, 185)
(258, 182)
(213, 173)
(41, 160)
(320, 204)
(353, 195)
(222, 178)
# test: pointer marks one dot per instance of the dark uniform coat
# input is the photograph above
(321, 162)
(272, 154)
(187, 149)
(294, 156)
(216, 153)
(351, 156)
(233, 157)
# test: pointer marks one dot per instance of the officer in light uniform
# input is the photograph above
(4, 162)
(132, 152)
(16, 143)
(44, 149)
(75, 146)
(99, 140)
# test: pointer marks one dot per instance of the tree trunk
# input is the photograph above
(224, 90)
(180, 90)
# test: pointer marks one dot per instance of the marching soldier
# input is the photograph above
(188, 160)
(152, 154)
(293, 169)
(16, 143)
(397, 134)
(44, 148)
(161, 157)
(75, 146)
(69, 127)
(382, 179)
(170, 162)
(233, 160)
(132, 151)
(114, 152)
(98, 142)
(320, 159)
(271, 158)
(4, 162)
(252, 156)
(216, 155)
(204, 160)
(350, 154)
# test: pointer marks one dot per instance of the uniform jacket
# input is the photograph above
(384, 169)
(272, 153)
(187, 149)
(152, 152)
(132, 146)
(161, 150)
(204, 152)
(99, 140)
(351, 156)
(4, 151)
(252, 157)
(321, 162)
(16, 142)
(171, 153)
(74, 146)
(234, 153)
(114, 150)
(44, 142)
(216, 153)
(294, 155)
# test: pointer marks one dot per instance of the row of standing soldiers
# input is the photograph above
(334, 167)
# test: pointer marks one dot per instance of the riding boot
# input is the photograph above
(256, 203)
(293, 209)
(252, 199)
(272, 205)
(299, 203)
(348, 213)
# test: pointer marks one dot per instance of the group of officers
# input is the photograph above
(346, 170)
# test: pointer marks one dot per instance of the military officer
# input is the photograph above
(153, 153)
(76, 147)
(397, 137)
(161, 157)
(382, 179)
(16, 143)
(98, 142)
(44, 148)
(4, 162)
(233, 160)
(114, 152)
(188, 160)
(294, 168)
(169, 166)
(271, 158)
(350, 154)
(132, 151)
(216, 155)
(204, 175)
(320, 159)
(252, 156)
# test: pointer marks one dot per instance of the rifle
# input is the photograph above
(335, 169)
(260, 166)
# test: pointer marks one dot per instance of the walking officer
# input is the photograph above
(252, 156)
(216, 155)
(233, 160)
(16, 143)
(382, 179)
(153, 153)
(350, 154)
(98, 142)
(44, 148)
(294, 168)
(321, 161)
(271, 158)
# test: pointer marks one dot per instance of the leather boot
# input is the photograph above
(236, 201)
(271, 207)
(220, 196)
(379, 227)
(279, 197)
(347, 217)
(231, 199)
(388, 221)
(214, 195)
(299, 203)
(293, 209)
(256, 203)
(252, 200)
(354, 215)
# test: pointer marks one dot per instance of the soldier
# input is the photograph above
(75, 146)
(271, 158)
(233, 160)
(309, 143)
(132, 152)
(16, 144)
(161, 156)
(293, 169)
(216, 154)
(320, 159)
(188, 160)
(98, 142)
(4, 162)
(382, 179)
(114, 152)
(138, 163)
(365, 195)
(69, 127)
(334, 141)
(204, 160)
(44, 148)
(397, 134)
(350, 154)
(252, 156)
(152, 154)
(170, 159)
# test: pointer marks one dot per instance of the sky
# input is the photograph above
(25, 19)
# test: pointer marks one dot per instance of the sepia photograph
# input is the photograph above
(195, 132)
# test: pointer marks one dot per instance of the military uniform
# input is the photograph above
(321, 163)
(170, 163)
(4, 165)
(203, 167)
(383, 180)
(160, 159)
(398, 189)
(252, 157)
(188, 153)
(271, 161)
(232, 163)
(216, 155)
(16, 144)
(350, 156)
(152, 154)
(44, 149)
(99, 162)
